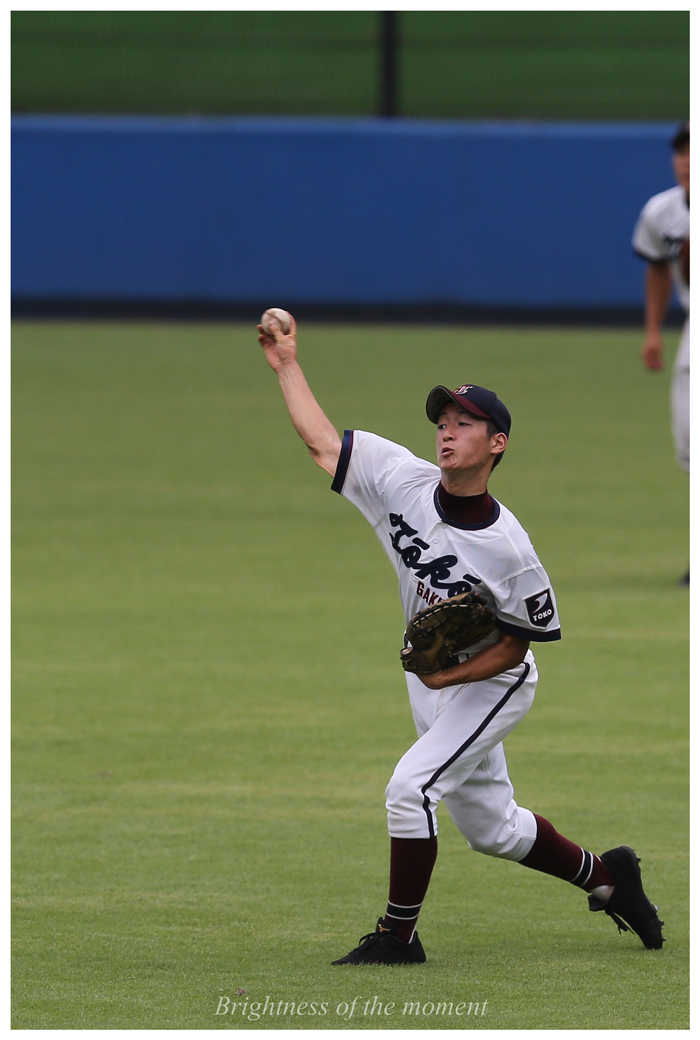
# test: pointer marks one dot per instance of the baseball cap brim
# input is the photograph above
(440, 396)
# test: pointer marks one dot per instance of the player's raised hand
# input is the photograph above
(310, 421)
(279, 347)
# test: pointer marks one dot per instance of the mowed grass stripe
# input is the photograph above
(208, 700)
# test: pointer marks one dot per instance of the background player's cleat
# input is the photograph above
(383, 946)
(629, 903)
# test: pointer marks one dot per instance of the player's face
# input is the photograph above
(463, 441)
(681, 167)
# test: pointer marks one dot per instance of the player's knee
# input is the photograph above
(509, 839)
(486, 845)
(407, 814)
(403, 794)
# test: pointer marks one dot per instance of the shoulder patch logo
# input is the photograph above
(540, 608)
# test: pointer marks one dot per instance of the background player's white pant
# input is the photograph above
(459, 757)
(680, 399)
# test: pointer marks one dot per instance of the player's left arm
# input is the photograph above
(499, 657)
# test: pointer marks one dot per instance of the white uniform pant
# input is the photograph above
(459, 757)
(680, 399)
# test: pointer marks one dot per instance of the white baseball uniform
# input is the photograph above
(663, 225)
(459, 755)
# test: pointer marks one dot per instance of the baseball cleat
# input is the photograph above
(628, 902)
(383, 946)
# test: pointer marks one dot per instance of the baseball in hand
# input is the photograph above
(283, 317)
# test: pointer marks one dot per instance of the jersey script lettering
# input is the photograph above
(438, 570)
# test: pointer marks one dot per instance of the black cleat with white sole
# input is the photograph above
(383, 946)
(628, 905)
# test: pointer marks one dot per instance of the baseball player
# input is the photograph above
(662, 238)
(446, 536)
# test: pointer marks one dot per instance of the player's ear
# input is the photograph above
(499, 442)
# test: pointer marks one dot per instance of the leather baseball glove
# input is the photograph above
(435, 634)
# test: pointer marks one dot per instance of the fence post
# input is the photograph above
(389, 63)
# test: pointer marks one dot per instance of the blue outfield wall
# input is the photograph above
(332, 212)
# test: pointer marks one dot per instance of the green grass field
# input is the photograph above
(208, 700)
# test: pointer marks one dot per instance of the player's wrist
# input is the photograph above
(286, 369)
(433, 680)
(455, 676)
